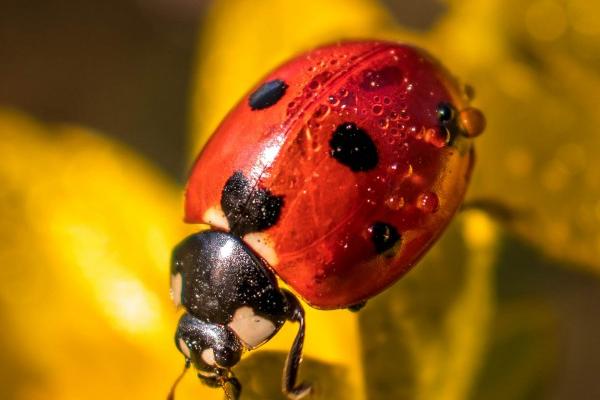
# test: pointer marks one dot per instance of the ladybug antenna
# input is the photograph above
(171, 395)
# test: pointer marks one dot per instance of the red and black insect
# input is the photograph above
(335, 174)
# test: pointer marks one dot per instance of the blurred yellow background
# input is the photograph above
(104, 104)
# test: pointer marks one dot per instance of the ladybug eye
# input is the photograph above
(445, 112)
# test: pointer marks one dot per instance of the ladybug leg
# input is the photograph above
(231, 386)
(292, 363)
(171, 395)
(223, 378)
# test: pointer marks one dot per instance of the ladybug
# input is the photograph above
(336, 173)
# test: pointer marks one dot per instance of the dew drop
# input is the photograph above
(348, 101)
(320, 274)
(430, 135)
(377, 79)
(395, 202)
(313, 124)
(400, 170)
(473, 121)
(321, 112)
(333, 100)
(428, 202)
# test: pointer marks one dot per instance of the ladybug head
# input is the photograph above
(232, 303)
(210, 347)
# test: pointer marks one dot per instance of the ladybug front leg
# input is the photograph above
(231, 386)
(226, 380)
(223, 378)
(171, 395)
(292, 363)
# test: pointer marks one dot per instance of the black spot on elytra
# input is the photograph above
(267, 94)
(384, 236)
(248, 208)
(353, 147)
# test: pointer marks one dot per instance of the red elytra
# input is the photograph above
(346, 231)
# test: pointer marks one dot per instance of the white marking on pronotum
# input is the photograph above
(252, 329)
(176, 287)
(208, 355)
(215, 216)
(184, 348)
(261, 243)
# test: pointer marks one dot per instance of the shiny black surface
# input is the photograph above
(290, 387)
(448, 122)
(353, 147)
(249, 208)
(384, 236)
(220, 274)
(199, 336)
(267, 94)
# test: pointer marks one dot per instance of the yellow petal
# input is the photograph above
(534, 66)
(242, 40)
(86, 232)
